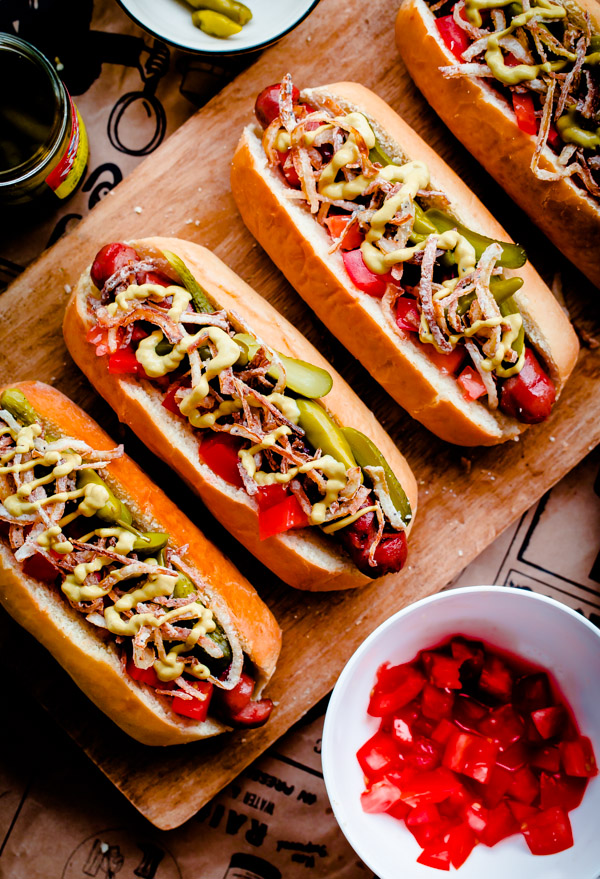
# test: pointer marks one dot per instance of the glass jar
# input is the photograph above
(43, 141)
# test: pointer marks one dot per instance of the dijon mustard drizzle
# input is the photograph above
(92, 498)
(413, 176)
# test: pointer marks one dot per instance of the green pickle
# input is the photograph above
(323, 433)
(214, 24)
(377, 154)
(15, 402)
(502, 289)
(368, 455)
(200, 299)
(300, 377)
(509, 306)
(237, 12)
(183, 586)
(150, 543)
(513, 255)
(114, 511)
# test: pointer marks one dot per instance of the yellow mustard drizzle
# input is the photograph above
(124, 299)
(334, 471)
(348, 520)
(227, 354)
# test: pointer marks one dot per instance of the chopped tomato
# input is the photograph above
(39, 567)
(169, 401)
(500, 823)
(529, 395)
(521, 811)
(561, 790)
(448, 364)
(514, 757)
(503, 725)
(468, 712)
(197, 709)
(577, 758)
(281, 517)
(402, 725)
(407, 684)
(378, 756)
(532, 692)
(145, 675)
(495, 790)
(288, 169)
(407, 314)
(549, 721)
(496, 679)
(138, 333)
(454, 37)
(435, 855)
(442, 671)
(548, 832)
(443, 731)
(123, 362)
(427, 814)
(524, 787)
(270, 495)
(337, 223)
(436, 703)
(469, 653)
(380, 797)
(471, 384)
(220, 452)
(546, 758)
(554, 138)
(525, 112)
(422, 788)
(471, 755)
(460, 841)
(362, 276)
(424, 754)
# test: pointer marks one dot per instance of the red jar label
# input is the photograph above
(65, 176)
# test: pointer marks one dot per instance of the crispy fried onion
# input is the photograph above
(157, 316)
(426, 294)
(486, 376)
(382, 493)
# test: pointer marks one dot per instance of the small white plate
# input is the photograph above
(171, 20)
(531, 626)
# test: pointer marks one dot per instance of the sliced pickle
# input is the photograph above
(323, 433)
(368, 455)
(300, 377)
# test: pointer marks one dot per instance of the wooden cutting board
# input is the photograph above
(467, 496)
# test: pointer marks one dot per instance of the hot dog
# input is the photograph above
(225, 390)
(156, 626)
(389, 248)
(519, 86)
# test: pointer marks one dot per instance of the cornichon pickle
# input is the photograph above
(513, 255)
(323, 433)
(231, 8)
(150, 542)
(509, 306)
(114, 510)
(502, 288)
(183, 586)
(377, 154)
(421, 225)
(368, 455)
(200, 300)
(15, 402)
(214, 24)
(300, 377)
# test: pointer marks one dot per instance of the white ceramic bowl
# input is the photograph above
(171, 20)
(532, 626)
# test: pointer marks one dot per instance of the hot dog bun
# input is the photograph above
(94, 664)
(299, 246)
(306, 559)
(485, 124)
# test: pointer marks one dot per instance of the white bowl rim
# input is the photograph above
(255, 47)
(375, 634)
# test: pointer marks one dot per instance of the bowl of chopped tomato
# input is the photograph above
(462, 736)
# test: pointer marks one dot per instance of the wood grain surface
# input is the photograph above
(467, 497)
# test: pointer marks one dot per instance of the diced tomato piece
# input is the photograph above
(337, 223)
(546, 758)
(281, 517)
(521, 811)
(288, 169)
(443, 731)
(427, 814)
(379, 797)
(525, 112)
(503, 725)
(252, 715)
(399, 810)
(514, 757)
(471, 384)
(442, 671)
(578, 758)
(169, 401)
(138, 333)
(530, 395)
(427, 834)
(468, 712)
(145, 675)
(460, 841)
(470, 755)
(448, 364)
(377, 756)
(548, 832)
(435, 855)
(524, 787)
(409, 684)
(496, 788)
(532, 692)
(561, 790)
(469, 653)
(458, 802)
(39, 567)
(500, 824)
(403, 724)
(266, 107)
(424, 754)
(362, 276)
(123, 362)
(496, 678)
(219, 451)
(270, 495)
(232, 701)
(554, 138)
(550, 721)
(195, 708)
(407, 315)
(434, 786)
(454, 37)
(109, 259)
(435, 702)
